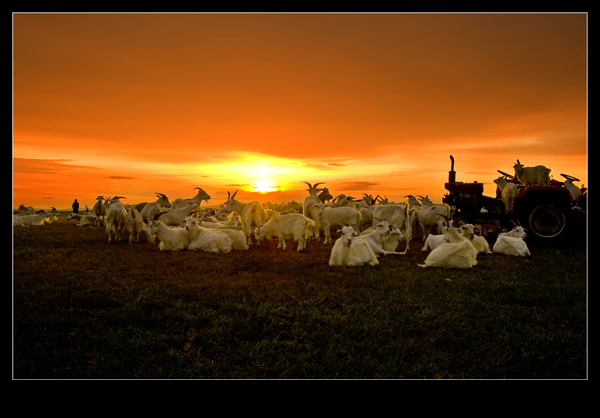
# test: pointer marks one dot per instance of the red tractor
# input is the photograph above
(545, 211)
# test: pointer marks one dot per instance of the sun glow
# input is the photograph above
(265, 186)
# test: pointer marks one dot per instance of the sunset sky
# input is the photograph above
(133, 104)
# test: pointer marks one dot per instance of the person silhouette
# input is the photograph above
(75, 206)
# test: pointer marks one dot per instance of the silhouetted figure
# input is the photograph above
(75, 206)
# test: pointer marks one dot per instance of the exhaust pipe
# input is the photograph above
(452, 173)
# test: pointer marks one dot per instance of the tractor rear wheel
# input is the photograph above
(547, 221)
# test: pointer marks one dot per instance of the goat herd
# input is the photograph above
(368, 227)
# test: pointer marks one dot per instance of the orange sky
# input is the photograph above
(133, 104)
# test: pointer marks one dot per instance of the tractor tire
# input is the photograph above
(547, 221)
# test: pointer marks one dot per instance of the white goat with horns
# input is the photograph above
(532, 176)
(512, 242)
(252, 214)
(200, 196)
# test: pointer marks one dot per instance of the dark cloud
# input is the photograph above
(358, 185)
(47, 166)
(122, 177)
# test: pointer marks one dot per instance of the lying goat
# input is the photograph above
(458, 252)
(347, 251)
(512, 242)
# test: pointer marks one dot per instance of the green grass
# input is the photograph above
(86, 309)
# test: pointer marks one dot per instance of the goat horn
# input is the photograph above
(157, 215)
(445, 217)
(235, 193)
(308, 184)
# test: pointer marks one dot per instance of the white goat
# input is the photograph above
(134, 224)
(115, 218)
(328, 217)
(26, 210)
(390, 243)
(149, 211)
(237, 236)
(512, 242)
(432, 216)
(206, 239)
(171, 239)
(347, 251)
(294, 225)
(98, 208)
(532, 176)
(479, 242)
(434, 241)
(573, 189)
(397, 215)
(84, 220)
(53, 215)
(251, 214)
(458, 252)
(200, 196)
(30, 220)
(311, 211)
(174, 217)
(509, 191)
(375, 239)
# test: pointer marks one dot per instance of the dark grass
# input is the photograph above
(86, 309)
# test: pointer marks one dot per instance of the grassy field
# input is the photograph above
(86, 309)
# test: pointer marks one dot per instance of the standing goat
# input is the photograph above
(311, 209)
(396, 215)
(509, 191)
(532, 176)
(115, 218)
(329, 217)
(134, 224)
(432, 216)
(296, 226)
(251, 214)
(150, 210)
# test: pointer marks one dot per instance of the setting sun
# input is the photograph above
(264, 186)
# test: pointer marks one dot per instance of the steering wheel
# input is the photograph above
(507, 175)
(569, 177)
